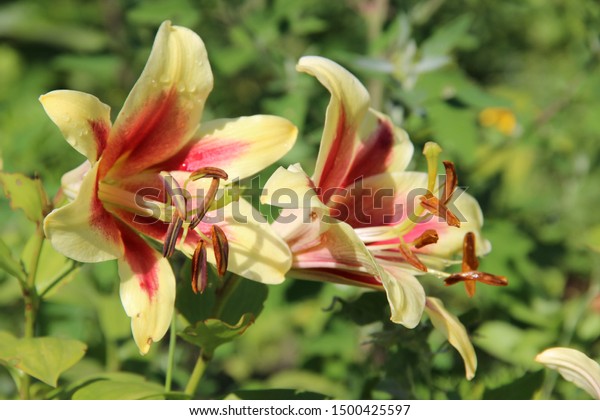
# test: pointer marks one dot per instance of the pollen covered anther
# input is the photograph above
(199, 272)
(220, 248)
(217, 174)
(430, 236)
(207, 201)
(451, 181)
(209, 172)
(411, 258)
(434, 206)
(469, 275)
(172, 235)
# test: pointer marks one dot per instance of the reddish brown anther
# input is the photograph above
(451, 181)
(207, 201)
(411, 258)
(172, 235)
(199, 272)
(469, 274)
(430, 236)
(434, 206)
(220, 248)
(208, 172)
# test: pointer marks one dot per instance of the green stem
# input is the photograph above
(74, 265)
(223, 295)
(31, 301)
(171, 357)
(197, 374)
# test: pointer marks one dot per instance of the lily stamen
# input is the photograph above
(220, 248)
(206, 203)
(469, 275)
(436, 207)
(199, 272)
(430, 236)
(410, 257)
(172, 234)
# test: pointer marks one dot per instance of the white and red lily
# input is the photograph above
(156, 135)
(356, 221)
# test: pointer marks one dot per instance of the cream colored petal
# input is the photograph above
(449, 325)
(71, 181)
(83, 230)
(82, 119)
(164, 108)
(242, 146)
(291, 189)
(147, 292)
(574, 366)
(405, 296)
(347, 107)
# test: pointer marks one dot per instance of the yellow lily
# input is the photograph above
(360, 218)
(126, 190)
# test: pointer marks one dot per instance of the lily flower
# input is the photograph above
(123, 195)
(362, 219)
(574, 366)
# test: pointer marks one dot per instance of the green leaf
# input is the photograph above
(44, 358)
(9, 264)
(25, 194)
(592, 238)
(447, 37)
(212, 333)
(120, 390)
(248, 297)
(275, 394)
(522, 388)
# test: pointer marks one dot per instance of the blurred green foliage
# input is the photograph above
(432, 65)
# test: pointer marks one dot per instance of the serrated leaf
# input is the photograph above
(25, 194)
(44, 358)
(119, 390)
(8, 263)
(212, 333)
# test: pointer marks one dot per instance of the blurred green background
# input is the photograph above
(510, 90)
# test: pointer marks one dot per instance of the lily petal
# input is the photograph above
(82, 118)
(347, 107)
(405, 296)
(456, 333)
(71, 181)
(241, 146)
(574, 366)
(337, 248)
(385, 148)
(147, 290)
(83, 230)
(164, 107)
(291, 188)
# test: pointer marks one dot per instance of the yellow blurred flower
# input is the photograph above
(502, 119)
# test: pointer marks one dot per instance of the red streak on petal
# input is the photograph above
(353, 276)
(208, 151)
(142, 260)
(338, 156)
(375, 154)
(152, 135)
(101, 130)
(101, 220)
